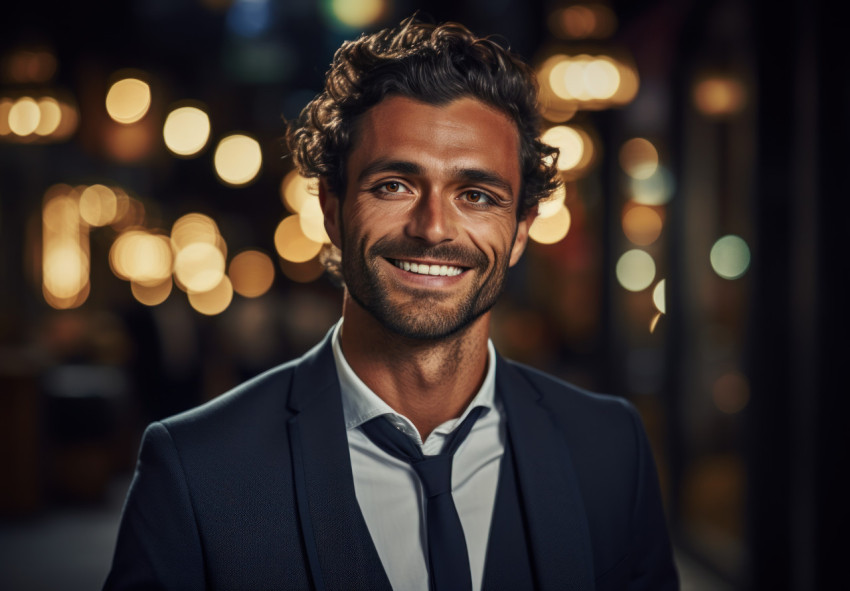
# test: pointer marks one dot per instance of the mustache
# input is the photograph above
(392, 248)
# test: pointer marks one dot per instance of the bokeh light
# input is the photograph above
(312, 221)
(98, 205)
(731, 392)
(656, 189)
(575, 147)
(601, 78)
(128, 100)
(719, 96)
(635, 270)
(186, 130)
(730, 257)
(297, 190)
(199, 266)
(24, 116)
(291, 243)
(583, 21)
(5, 107)
(238, 159)
(551, 229)
(194, 227)
(357, 14)
(639, 158)
(642, 224)
(141, 256)
(51, 116)
(68, 121)
(302, 272)
(213, 301)
(251, 273)
(152, 295)
(658, 296)
(552, 204)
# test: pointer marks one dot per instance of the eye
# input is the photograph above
(392, 187)
(477, 197)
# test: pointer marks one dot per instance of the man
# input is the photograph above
(320, 474)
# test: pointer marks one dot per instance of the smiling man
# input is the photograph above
(403, 452)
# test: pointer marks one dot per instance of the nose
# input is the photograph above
(432, 219)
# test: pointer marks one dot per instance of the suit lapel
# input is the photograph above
(557, 526)
(339, 549)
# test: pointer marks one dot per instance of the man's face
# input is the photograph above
(428, 225)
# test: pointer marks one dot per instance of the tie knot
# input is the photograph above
(435, 472)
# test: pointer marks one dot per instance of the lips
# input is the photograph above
(427, 269)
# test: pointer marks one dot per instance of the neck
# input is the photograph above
(428, 381)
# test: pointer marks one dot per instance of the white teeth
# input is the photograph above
(436, 270)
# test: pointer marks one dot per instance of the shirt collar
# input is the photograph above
(361, 404)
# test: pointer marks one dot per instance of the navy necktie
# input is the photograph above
(448, 560)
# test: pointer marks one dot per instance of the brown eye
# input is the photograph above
(393, 187)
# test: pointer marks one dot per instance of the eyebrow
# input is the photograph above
(471, 175)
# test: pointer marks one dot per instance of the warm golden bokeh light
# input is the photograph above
(61, 211)
(642, 224)
(635, 270)
(312, 221)
(575, 146)
(238, 159)
(659, 297)
(186, 130)
(128, 100)
(251, 273)
(141, 257)
(199, 266)
(302, 272)
(551, 205)
(297, 190)
(583, 21)
(194, 227)
(98, 205)
(51, 116)
(152, 295)
(601, 78)
(639, 158)
(291, 243)
(551, 229)
(213, 301)
(730, 257)
(65, 267)
(69, 303)
(5, 107)
(68, 121)
(731, 392)
(24, 116)
(719, 96)
(358, 14)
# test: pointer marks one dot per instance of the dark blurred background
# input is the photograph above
(157, 250)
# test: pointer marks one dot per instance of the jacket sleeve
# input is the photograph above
(652, 556)
(158, 543)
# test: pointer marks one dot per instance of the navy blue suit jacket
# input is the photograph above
(254, 490)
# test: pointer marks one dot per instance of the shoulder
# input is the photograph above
(566, 399)
(253, 412)
(597, 427)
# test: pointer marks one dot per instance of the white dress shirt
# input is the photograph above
(389, 492)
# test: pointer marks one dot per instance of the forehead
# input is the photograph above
(461, 134)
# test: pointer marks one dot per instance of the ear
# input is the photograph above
(330, 204)
(521, 239)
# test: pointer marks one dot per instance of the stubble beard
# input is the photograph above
(422, 314)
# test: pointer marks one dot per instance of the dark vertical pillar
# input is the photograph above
(832, 437)
(769, 424)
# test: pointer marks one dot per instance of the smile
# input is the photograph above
(425, 269)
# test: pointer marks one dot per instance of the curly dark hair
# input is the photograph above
(435, 64)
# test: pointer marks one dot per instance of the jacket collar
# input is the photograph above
(340, 551)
